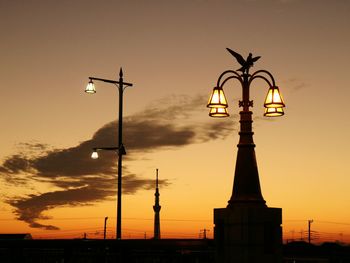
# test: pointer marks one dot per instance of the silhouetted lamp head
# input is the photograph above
(121, 150)
(273, 112)
(218, 112)
(217, 99)
(274, 98)
(94, 154)
(90, 88)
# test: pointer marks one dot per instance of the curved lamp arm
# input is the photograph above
(257, 75)
(236, 75)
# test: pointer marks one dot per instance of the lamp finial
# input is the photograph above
(245, 63)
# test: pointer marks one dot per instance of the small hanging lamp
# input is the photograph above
(218, 112)
(217, 99)
(273, 112)
(90, 88)
(274, 98)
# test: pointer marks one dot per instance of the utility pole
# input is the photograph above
(204, 231)
(301, 235)
(309, 230)
(104, 229)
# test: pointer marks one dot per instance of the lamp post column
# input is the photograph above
(246, 186)
(121, 86)
(120, 156)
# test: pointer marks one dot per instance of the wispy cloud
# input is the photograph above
(82, 180)
(296, 84)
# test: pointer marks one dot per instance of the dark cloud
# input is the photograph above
(217, 129)
(29, 209)
(146, 131)
(15, 164)
(83, 180)
(32, 146)
(90, 190)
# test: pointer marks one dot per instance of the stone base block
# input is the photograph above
(248, 234)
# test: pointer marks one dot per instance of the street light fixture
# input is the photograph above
(94, 154)
(217, 99)
(274, 98)
(273, 112)
(218, 112)
(90, 88)
(246, 187)
(121, 86)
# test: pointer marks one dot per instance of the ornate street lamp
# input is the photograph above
(247, 231)
(246, 181)
(121, 86)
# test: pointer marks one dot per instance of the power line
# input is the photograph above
(172, 219)
(336, 223)
(125, 218)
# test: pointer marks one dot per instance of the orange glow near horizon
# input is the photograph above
(293, 230)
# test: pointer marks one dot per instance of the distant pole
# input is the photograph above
(120, 156)
(309, 230)
(204, 231)
(105, 227)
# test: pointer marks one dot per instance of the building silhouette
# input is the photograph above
(17, 236)
(16, 249)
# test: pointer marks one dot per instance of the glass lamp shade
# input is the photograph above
(217, 99)
(273, 112)
(90, 88)
(274, 98)
(218, 112)
(94, 155)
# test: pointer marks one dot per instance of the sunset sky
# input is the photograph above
(173, 53)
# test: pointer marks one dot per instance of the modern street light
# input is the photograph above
(121, 86)
(94, 154)
(246, 187)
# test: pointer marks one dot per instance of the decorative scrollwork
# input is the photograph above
(244, 103)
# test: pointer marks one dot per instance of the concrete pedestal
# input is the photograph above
(248, 234)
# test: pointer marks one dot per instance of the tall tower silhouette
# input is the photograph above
(156, 209)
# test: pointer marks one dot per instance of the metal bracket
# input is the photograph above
(242, 103)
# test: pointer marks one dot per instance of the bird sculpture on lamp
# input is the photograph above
(245, 63)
